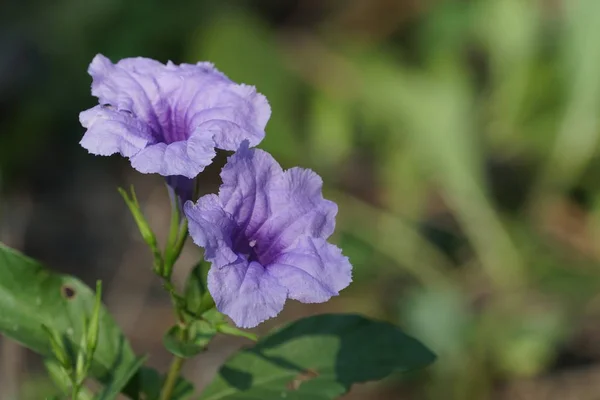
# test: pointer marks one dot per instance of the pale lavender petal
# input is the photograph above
(205, 67)
(211, 227)
(311, 212)
(313, 271)
(123, 90)
(232, 113)
(246, 293)
(112, 132)
(298, 208)
(249, 178)
(140, 65)
(186, 158)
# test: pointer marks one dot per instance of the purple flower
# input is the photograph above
(168, 119)
(266, 236)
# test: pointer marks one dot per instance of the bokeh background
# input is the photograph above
(459, 138)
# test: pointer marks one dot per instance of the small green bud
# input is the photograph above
(57, 347)
(143, 226)
(94, 327)
(82, 356)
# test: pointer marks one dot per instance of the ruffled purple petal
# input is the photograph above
(300, 209)
(110, 132)
(185, 158)
(246, 292)
(137, 93)
(249, 179)
(312, 271)
(212, 228)
(233, 113)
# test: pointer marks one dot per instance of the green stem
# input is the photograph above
(173, 374)
(175, 216)
(178, 233)
(181, 238)
(170, 257)
(174, 250)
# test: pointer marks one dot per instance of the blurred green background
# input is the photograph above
(459, 138)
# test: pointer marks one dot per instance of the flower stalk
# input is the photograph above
(171, 379)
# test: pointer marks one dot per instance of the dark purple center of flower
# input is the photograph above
(248, 249)
(174, 127)
(167, 129)
(254, 247)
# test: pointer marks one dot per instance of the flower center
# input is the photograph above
(168, 128)
(248, 249)
(254, 245)
(252, 251)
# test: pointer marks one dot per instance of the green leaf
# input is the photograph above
(214, 317)
(187, 343)
(114, 388)
(318, 358)
(32, 296)
(196, 295)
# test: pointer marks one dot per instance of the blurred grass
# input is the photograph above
(459, 138)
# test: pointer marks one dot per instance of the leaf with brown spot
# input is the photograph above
(68, 292)
(32, 296)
